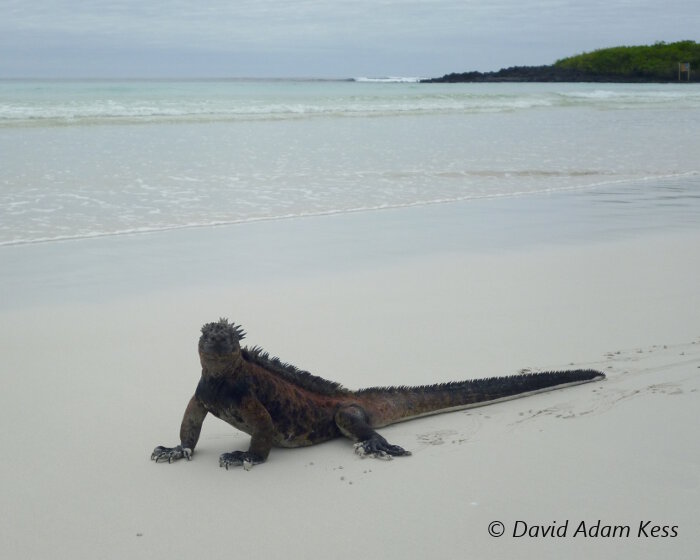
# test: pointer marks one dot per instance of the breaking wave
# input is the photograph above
(137, 102)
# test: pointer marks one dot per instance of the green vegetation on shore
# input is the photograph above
(655, 63)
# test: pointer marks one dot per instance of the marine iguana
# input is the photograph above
(280, 405)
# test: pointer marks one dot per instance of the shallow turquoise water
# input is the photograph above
(85, 159)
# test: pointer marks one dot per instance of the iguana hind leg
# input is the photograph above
(354, 423)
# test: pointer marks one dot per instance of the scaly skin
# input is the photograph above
(280, 406)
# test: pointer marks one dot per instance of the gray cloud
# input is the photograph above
(325, 38)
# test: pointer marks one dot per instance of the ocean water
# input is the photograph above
(95, 158)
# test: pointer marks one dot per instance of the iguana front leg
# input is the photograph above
(354, 423)
(189, 435)
(162, 454)
(259, 424)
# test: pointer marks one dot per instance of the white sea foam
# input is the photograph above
(389, 80)
(81, 103)
(154, 228)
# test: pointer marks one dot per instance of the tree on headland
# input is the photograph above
(654, 63)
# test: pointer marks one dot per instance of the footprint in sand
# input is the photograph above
(531, 414)
(437, 437)
(470, 423)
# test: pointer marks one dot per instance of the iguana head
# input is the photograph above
(221, 338)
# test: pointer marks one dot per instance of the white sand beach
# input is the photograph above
(98, 340)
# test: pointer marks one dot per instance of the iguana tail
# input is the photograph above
(389, 405)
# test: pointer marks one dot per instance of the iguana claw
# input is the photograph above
(377, 447)
(161, 454)
(238, 459)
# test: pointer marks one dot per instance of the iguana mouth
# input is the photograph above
(216, 344)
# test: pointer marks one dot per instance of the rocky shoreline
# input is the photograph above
(547, 73)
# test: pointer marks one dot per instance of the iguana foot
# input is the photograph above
(161, 454)
(238, 459)
(376, 446)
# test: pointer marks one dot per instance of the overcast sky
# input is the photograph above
(320, 38)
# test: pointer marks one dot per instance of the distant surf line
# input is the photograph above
(362, 102)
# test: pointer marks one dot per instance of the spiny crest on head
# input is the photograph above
(236, 331)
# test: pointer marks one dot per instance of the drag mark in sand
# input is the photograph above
(634, 365)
